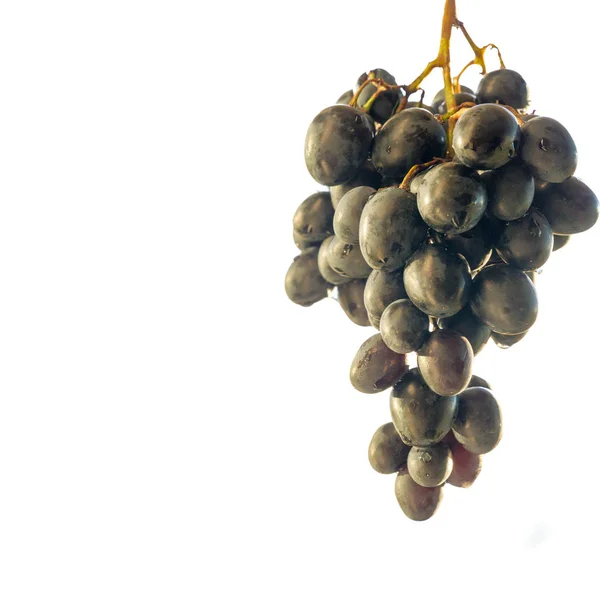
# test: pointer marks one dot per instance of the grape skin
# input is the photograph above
(347, 260)
(430, 466)
(346, 219)
(510, 191)
(469, 326)
(337, 144)
(380, 291)
(417, 503)
(505, 87)
(313, 219)
(325, 268)
(387, 452)
(304, 284)
(403, 326)
(351, 299)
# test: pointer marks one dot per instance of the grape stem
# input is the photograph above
(415, 169)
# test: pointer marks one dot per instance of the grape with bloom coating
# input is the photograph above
(304, 284)
(391, 229)
(380, 291)
(478, 424)
(505, 299)
(503, 86)
(346, 219)
(469, 326)
(548, 149)
(325, 268)
(437, 281)
(420, 416)
(351, 299)
(313, 219)
(451, 198)
(347, 260)
(430, 466)
(367, 176)
(510, 191)
(486, 137)
(376, 367)
(466, 466)
(403, 326)
(387, 452)
(383, 107)
(337, 144)
(417, 503)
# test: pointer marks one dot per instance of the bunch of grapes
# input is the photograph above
(431, 230)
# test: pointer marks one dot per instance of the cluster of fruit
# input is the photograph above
(432, 228)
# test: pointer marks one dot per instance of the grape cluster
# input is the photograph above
(438, 261)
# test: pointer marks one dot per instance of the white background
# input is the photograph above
(169, 422)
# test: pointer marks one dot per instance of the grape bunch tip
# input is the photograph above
(434, 222)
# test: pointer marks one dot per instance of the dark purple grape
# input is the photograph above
(459, 99)
(387, 452)
(503, 86)
(410, 137)
(403, 326)
(505, 299)
(417, 503)
(304, 284)
(527, 242)
(390, 229)
(437, 281)
(451, 198)
(478, 424)
(347, 214)
(469, 326)
(418, 104)
(430, 466)
(380, 291)
(506, 341)
(548, 149)
(337, 144)
(325, 268)
(445, 361)
(376, 367)
(510, 191)
(440, 97)
(313, 219)
(420, 416)
(560, 242)
(347, 260)
(475, 245)
(367, 176)
(570, 207)
(486, 137)
(416, 182)
(466, 466)
(383, 107)
(351, 299)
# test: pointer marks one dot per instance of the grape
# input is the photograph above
(459, 99)
(337, 144)
(303, 244)
(421, 417)
(440, 97)
(347, 214)
(466, 466)
(570, 207)
(416, 182)
(486, 137)
(387, 452)
(380, 291)
(347, 260)
(304, 284)
(404, 327)
(367, 176)
(452, 199)
(560, 242)
(437, 281)
(351, 299)
(510, 191)
(527, 242)
(505, 299)
(313, 220)
(445, 362)
(478, 381)
(506, 341)
(346, 97)
(548, 149)
(430, 466)
(475, 245)
(417, 503)
(325, 268)
(390, 229)
(503, 86)
(478, 424)
(410, 137)
(376, 367)
(383, 107)
(468, 325)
